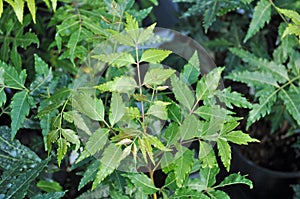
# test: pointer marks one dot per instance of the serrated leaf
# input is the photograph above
(122, 84)
(267, 98)
(49, 186)
(41, 67)
(61, 150)
(31, 7)
(253, 78)
(2, 96)
(11, 77)
(73, 41)
(191, 70)
(146, 33)
(171, 134)
(159, 110)
(117, 109)
(118, 59)
(20, 186)
(157, 143)
(189, 128)
(91, 107)
(235, 178)
(14, 153)
(182, 93)
(131, 23)
(207, 155)
(208, 176)
(54, 195)
(238, 137)
(142, 181)
(232, 98)
(290, 14)
(291, 29)
(110, 160)
(90, 174)
(292, 102)
(184, 165)
(71, 137)
(174, 113)
(210, 16)
(217, 194)
(97, 141)
(188, 193)
(261, 15)
(19, 110)
(157, 76)
(224, 151)
(277, 70)
(155, 55)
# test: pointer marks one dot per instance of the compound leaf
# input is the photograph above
(183, 166)
(142, 181)
(224, 152)
(155, 55)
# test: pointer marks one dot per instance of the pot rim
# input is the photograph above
(281, 174)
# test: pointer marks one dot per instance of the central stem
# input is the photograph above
(140, 86)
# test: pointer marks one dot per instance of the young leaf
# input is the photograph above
(90, 174)
(61, 150)
(155, 55)
(191, 70)
(182, 93)
(238, 137)
(121, 84)
(19, 110)
(109, 161)
(235, 178)
(159, 110)
(224, 152)
(131, 23)
(85, 104)
(189, 128)
(20, 186)
(207, 155)
(184, 165)
(142, 181)
(261, 15)
(290, 14)
(71, 137)
(117, 109)
(31, 7)
(116, 59)
(157, 76)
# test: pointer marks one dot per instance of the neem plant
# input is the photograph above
(135, 124)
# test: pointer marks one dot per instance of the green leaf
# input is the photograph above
(207, 155)
(235, 178)
(157, 76)
(41, 67)
(116, 59)
(11, 77)
(61, 150)
(184, 165)
(54, 195)
(291, 100)
(238, 137)
(191, 70)
(142, 181)
(91, 107)
(31, 7)
(95, 143)
(21, 185)
(2, 96)
(189, 128)
(171, 134)
(261, 15)
(291, 29)
(278, 71)
(73, 41)
(146, 33)
(217, 194)
(152, 140)
(185, 193)
(117, 109)
(109, 161)
(155, 55)
(253, 78)
(210, 16)
(224, 152)
(182, 93)
(208, 176)
(131, 23)
(290, 14)
(174, 113)
(90, 174)
(121, 84)
(49, 186)
(14, 153)
(232, 98)
(159, 110)
(71, 137)
(19, 110)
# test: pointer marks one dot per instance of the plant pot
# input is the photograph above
(267, 183)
